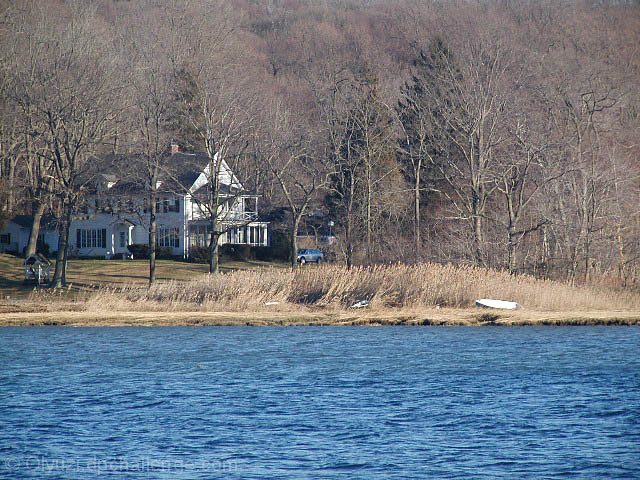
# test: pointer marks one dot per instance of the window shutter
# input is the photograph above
(177, 204)
(78, 242)
(103, 239)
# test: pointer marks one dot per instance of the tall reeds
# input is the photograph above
(335, 288)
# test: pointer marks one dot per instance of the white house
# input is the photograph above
(15, 237)
(117, 213)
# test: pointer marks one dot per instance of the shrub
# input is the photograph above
(142, 251)
(280, 245)
(139, 250)
(235, 252)
(199, 255)
(262, 253)
(164, 253)
(241, 252)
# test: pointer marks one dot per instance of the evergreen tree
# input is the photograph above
(423, 145)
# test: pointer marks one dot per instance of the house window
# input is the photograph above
(168, 237)
(5, 238)
(123, 239)
(91, 238)
(175, 206)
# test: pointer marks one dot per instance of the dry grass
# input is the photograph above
(115, 293)
(86, 275)
(332, 288)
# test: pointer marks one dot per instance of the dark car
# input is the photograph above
(309, 255)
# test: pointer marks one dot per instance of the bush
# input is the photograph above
(235, 252)
(164, 253)
(280, 246)
(241, 252)
(142, 251)
(139, 250)
(199, 255)
(262, 253)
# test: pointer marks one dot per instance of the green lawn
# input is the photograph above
(85, 274)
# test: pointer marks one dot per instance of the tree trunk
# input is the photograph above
(511, 247)
(35, 230)
(349, 241)
(214, 250)
(294, 240)
(621, 260)
(349, 224)
(369, 188)
(416, 212)
(153, 228)
(60, 277)
(11, 185)
(477, 238)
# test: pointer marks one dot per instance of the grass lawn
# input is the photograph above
(85, 274)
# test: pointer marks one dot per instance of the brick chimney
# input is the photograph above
(175, 148)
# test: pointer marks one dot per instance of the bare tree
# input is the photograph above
(293, 163)
(152, 112)
(73, 102)
(217, 106)
(469, 96)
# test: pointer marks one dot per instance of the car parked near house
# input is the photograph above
(309, 255)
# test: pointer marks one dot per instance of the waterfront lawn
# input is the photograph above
(85, 275)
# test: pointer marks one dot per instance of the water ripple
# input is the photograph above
(297, 403)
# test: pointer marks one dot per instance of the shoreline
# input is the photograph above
(472, 317)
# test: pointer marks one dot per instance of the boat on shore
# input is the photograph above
(499, 304)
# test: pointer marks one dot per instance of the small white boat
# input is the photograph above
(361, 304)
(501, 304)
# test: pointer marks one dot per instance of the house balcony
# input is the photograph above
(239, 218)
(232, 218)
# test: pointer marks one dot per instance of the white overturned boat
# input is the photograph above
(501, 304)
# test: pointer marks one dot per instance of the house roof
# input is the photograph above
(26, 221)
(127, 172)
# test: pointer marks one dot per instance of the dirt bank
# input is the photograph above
(16, 315)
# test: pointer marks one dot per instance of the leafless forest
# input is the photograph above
(503, 134)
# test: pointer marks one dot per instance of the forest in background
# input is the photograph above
(502, 134)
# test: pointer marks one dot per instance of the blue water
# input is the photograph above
(307, 402)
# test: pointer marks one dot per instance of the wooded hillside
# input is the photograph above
(503, 134)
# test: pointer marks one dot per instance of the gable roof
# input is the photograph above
(179, 173)
(26, 221)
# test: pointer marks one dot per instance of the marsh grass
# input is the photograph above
(333, 288)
